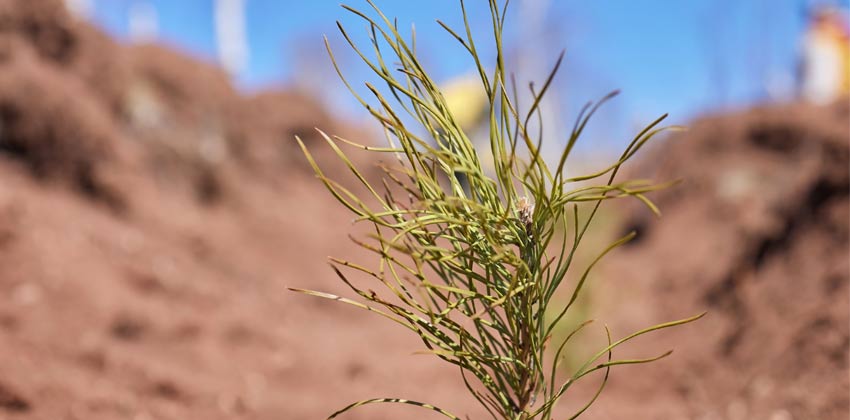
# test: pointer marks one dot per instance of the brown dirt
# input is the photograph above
(151, 219)
(757, 235)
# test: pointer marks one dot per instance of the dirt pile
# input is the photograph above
(76, 106)
(151, 219)
(757, 235)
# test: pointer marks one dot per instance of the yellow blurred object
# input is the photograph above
(467, 102)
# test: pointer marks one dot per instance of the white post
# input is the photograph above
(230, 33)
(79, 8)
(144, 22)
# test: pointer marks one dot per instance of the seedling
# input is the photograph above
(471, 264)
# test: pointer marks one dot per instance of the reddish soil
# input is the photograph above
(151, 219)
(757, 235)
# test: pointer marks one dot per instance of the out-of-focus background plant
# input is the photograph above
(155, 207)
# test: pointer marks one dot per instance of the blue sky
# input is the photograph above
(685, 57)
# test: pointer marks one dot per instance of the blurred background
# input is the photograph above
(155, 207)
(681, 59)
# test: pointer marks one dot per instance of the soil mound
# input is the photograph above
(77, 107)
(757, 235)
(170, 301)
